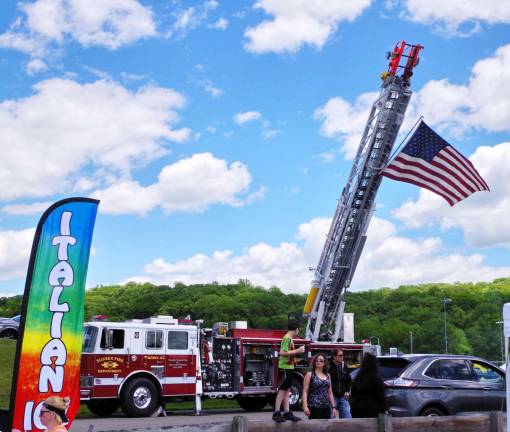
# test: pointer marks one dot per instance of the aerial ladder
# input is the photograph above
(347, 235)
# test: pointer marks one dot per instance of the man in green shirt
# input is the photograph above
(286, 366)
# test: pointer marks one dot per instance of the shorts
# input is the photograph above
(285, 379)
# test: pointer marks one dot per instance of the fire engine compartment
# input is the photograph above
(258, 365)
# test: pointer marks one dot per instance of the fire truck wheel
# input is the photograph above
(103, 407)
(296, 390)
(139, 398)
(253, 403)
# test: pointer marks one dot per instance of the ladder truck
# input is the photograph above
(347, 235)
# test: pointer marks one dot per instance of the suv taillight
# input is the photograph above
(400, 382)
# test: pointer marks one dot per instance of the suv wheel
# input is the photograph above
(10, 334)
(432, 412)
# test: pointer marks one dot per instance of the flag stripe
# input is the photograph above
(435, 172)
(470, 167)
(444, 164)
(460, 164)
(411, 179)
(419, 174)
(460, 185)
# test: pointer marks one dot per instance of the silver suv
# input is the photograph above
(9, 327)
(435, 385)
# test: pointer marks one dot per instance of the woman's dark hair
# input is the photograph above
(314, 361)
(368, 370)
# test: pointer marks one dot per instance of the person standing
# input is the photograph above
(367, 394)
(318, 399)
(341, 382)
(286, 362)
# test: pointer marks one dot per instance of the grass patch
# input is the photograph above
(7, 353)
(207, 404)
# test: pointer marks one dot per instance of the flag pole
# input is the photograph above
(402, 142)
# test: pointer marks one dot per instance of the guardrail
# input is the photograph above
(487, 422)
(494, 421)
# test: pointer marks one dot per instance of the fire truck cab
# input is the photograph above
(135, 364)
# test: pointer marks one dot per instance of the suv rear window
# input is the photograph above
(451, 369)
(390, 368)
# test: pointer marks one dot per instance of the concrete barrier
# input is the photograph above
(487, 422)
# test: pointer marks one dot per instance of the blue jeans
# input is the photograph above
(343, 407)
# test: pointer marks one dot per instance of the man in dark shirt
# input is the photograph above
(341, 383)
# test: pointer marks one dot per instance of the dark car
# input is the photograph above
(9, 327)
(436, 385)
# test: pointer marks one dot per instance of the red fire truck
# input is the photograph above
(139, 364)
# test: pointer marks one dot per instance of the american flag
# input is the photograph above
(428, 161)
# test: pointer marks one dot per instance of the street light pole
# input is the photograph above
(445, 302)
(411, 341)
(502, 341)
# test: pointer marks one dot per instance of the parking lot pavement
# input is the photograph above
(172, 421)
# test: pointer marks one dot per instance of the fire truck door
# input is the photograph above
(180, 374)
(154, 352)
(111, 361)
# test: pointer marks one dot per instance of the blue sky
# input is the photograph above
(218, 135)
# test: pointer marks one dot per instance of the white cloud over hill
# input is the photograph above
(389, 259)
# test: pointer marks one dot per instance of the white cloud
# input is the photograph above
(298, 22)
(189, 185)
(106, 23)
(269, 133)
(192, 17)
(450, 15)
(15, 253)
(392, 260)
(388, 260)
(345, 121)
(27, 209)
(67, 127)
(131, 77)
(482, 216)
(246, 117)
(483, 103)
(209, 87)
(36, 65)
(261, 264)
(221, 24)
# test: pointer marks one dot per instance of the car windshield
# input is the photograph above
(89, 339)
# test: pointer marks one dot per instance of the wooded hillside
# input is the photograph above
(390, 314)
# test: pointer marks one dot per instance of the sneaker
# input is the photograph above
(290, 416)
(277, 417)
